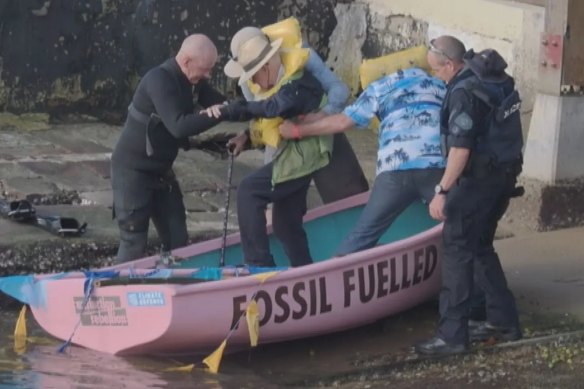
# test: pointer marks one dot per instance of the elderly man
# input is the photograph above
(343, 176)
(160, 120)
(409, 163)
(281, 89)
(481, 132)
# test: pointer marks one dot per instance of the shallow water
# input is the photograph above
(291, 363)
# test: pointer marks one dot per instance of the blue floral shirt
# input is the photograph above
(407, 103)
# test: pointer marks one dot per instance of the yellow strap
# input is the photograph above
(214, 360)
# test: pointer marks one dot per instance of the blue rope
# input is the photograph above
(88, 288)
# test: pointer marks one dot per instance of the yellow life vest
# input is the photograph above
(288, 30)
(264, 131)
(373, 69)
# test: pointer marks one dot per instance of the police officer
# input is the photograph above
(160, 120)
(481, 133)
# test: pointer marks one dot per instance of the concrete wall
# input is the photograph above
(511, 28)
(85, 56)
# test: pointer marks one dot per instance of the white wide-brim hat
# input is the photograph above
(250, 51)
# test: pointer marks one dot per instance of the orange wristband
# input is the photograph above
(296, 131)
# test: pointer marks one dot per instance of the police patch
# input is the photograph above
(463, 121)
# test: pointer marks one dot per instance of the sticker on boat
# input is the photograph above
(146, 299)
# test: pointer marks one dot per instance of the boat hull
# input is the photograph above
(169, 318)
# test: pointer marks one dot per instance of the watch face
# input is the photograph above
(437, 189)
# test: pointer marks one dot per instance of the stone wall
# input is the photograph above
(370, 28)
(363, 33)
(85, 56)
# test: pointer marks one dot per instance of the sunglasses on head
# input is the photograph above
(436, 50)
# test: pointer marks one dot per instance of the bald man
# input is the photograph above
(160, 119)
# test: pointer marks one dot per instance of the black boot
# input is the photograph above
(487, 331)
(436, 346)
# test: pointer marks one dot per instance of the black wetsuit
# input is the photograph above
(160, 120)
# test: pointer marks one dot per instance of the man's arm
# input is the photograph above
(165, 97)
(455, 164)
(327, 125)
(336, 90)
(463, 131)
(357, 114)
(292, 99)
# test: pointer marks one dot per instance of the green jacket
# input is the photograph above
(298, 158)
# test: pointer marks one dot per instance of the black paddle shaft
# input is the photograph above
(226, 216)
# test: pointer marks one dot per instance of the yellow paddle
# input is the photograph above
(251, 312)
(214, 360)
(20, 332)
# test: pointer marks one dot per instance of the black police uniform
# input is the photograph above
(160, 120)
(478, 200)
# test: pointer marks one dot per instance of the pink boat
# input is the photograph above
(138, 308)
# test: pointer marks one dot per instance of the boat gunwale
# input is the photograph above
(320, 268)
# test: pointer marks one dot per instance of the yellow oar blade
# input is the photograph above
(252, 315)
(214, 360)
(264, 276)
(181, 369)
(20, 332)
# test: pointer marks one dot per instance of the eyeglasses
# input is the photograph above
(435, 49)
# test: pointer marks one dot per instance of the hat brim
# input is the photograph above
(234, 70)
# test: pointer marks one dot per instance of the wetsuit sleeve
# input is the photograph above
(465, 121)
(178, 120)
(209, 96)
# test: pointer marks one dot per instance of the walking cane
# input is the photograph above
(227, 197)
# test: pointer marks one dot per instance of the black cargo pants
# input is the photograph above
(473, 208)
(254, 193)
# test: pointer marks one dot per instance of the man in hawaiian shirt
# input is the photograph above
(409, 161)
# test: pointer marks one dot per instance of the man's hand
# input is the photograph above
(214, 111)
(237, 144)
(287, 130)
(236, 111)
(437, 207)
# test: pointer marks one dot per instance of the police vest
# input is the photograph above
(501, 139)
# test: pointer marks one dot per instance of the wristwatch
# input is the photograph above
(439, 190)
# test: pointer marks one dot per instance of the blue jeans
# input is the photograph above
(392, 193)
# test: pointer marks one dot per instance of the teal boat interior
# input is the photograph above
(324, 236)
